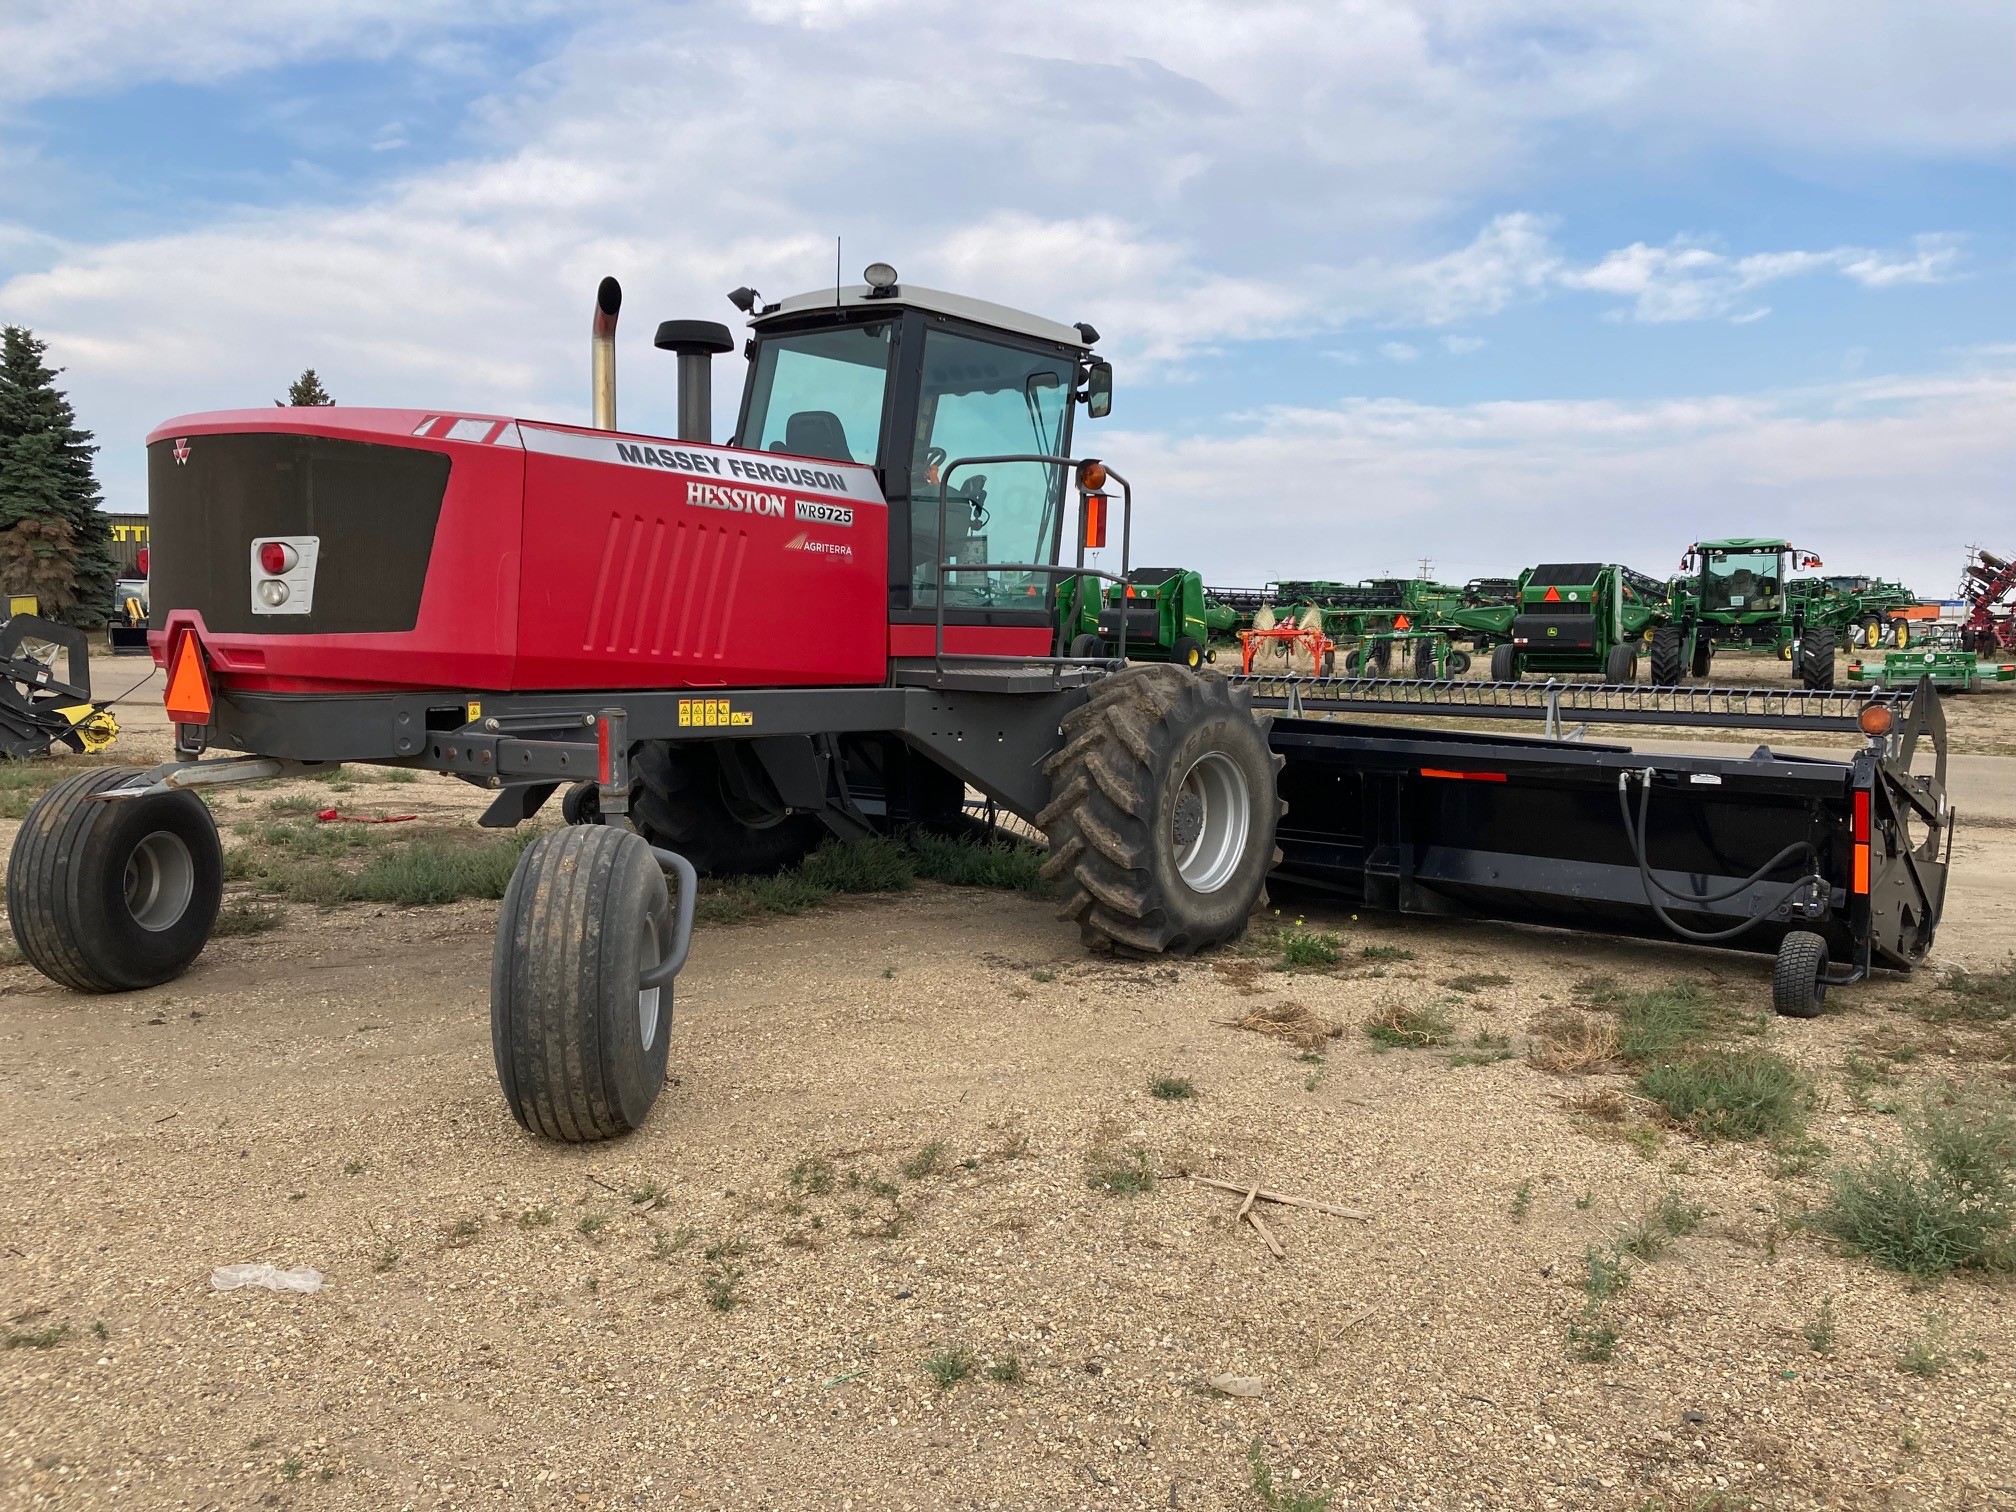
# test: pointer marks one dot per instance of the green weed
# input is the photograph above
(243, 916)
(1273, 1497)
(1306, 949)
(721, 1286)
(1522, 1200)
(813, 1177)
(949, 1366)
(1927, 1354)
(928, 1161)
(865, 866)
(37, 1338)
(1477, 981)
(535, 1217)
(1974, 997)
(1662, 1022)
(1007, 1371)
(1172, 1088)
(1008, 864)
(1730, 1094)
(1821, 1333)
(1385, 953)
(1399, 1027)
(1944, 1199)
(1121, 1174)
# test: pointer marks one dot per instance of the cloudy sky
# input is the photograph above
(1485, 281)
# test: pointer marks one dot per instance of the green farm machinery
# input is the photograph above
(1949, 671)
(1168, 615)
(1739, 593)
(1566, 617)
(1867, 611)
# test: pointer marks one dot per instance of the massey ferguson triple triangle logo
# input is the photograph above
(181, 450)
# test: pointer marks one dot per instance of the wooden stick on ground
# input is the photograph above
(1266, 1196)
(1247, 1206)
(1268, 1235)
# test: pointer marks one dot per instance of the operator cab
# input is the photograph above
(910, 380)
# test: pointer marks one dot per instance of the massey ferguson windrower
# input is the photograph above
(534, 607)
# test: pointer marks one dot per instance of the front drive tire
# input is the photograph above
(1816, 659)
(1161, 822)
(114, 897)
(1666, 653)
(580, 1048)
(683, 800)
(1799, 976)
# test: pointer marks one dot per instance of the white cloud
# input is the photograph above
(1687, 280)
(1370, 481)
(1462, 346)
(72, 47)
(1398, 351)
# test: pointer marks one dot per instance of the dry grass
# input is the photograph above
(1292, 1022)
(1606, 1106)
(1568, 1042)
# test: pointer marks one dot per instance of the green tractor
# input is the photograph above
(1869, 610)
(1567, 617)
(1740, 592)
(1169, 616)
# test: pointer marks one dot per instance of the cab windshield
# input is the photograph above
(1742, 580)
(982, 399)
(819, 394)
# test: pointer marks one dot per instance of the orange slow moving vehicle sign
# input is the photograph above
(188, 699)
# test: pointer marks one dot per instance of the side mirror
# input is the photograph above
(1099, 390)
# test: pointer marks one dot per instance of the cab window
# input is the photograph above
(819, 394)
(981, 399)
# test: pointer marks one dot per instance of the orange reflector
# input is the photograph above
(1551, 596)
(1094, 518)
(1455, 776)
(1862, 841)
(188, 699)
(1874, 719)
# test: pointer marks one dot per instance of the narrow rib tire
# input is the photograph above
(1620, 667)
(1161, 820)
(1187, 652)
(579, 1048)
(114, 897)
(1799, 976)
(1667, 651)
(1505, 663)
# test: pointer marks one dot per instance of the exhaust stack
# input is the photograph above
(696, 342)
(602, 346)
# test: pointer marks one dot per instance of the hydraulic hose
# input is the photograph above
(1635, 833)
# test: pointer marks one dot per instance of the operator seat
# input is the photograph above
(815, 433)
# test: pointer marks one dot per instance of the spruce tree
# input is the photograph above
(307, 389)
(55, 542)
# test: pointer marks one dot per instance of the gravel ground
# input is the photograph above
(880, 1145)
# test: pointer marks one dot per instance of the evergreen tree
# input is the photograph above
(307, 389)
(55, 542)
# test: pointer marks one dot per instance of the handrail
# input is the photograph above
(945, 564)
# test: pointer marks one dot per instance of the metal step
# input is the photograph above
(1554, 703)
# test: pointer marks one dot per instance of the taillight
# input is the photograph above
(277, 557)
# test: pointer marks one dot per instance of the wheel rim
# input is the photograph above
(1213, 813)
(160, 881)
(649, 954)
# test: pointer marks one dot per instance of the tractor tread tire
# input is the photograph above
(1816, 660)
(1110, 813)
(66, 884)
(1667, 649)
(564, 1002)
(677, 804)
(1798, 976)
(1424, 660)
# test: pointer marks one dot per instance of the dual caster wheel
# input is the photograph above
(114, 896)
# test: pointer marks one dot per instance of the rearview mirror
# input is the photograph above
(1099, 390)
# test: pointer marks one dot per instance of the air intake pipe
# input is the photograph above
(696, 342)
(602, 346)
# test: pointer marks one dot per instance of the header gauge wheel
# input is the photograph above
(1162, 821)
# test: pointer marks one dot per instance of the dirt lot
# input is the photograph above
(903, 1128)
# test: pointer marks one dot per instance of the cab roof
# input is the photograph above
(1744, 543)
(911, 296)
